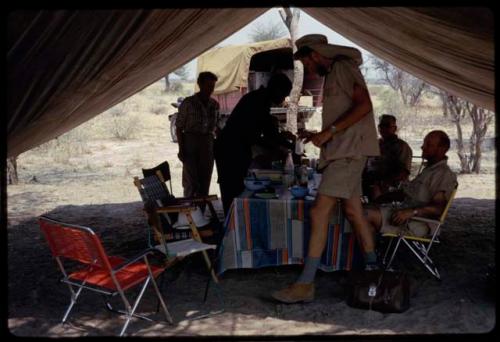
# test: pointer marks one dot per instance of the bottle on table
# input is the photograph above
(289, 170)
(303, 176)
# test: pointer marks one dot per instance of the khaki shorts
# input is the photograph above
(418, 229)
(341, 178)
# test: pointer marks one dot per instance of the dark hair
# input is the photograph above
(387, 117)
(206, 76)
(280, 82)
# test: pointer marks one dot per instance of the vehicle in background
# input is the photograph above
(243, 68)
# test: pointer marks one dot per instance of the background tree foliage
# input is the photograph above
(459, 110)
(408, 87)
(182, 73)
(268, 31)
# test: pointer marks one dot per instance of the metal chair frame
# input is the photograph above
(419, 246)
(97, 260)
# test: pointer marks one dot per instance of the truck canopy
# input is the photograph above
(231, 63)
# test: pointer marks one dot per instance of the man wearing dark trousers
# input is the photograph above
(249, 121)
(196, 124)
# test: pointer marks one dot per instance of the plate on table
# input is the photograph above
(266, 195)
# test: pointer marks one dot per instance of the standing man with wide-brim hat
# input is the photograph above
(347, 138)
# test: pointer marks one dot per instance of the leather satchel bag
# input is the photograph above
(384, 291)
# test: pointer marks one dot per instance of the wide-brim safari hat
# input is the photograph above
(319, 43)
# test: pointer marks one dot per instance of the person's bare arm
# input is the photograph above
(432, 210)
(361, 106)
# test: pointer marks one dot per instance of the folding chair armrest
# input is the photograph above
(136, 258)
(424, 219)
(175, 209)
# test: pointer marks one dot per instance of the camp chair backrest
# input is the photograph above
(74, 242)
(154, 195)
(164, 168)
(154, 189)
(448, 205)
(162, 171)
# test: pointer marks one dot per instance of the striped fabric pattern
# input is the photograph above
(274, 232)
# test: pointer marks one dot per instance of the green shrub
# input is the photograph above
(66, 146)
(124, 127)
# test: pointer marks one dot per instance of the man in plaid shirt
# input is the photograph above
(196, 123)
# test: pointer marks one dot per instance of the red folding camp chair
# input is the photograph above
(98, 272)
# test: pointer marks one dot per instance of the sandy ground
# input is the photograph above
(457, 304)
(96, 189)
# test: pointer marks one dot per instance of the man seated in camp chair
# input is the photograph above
(424, 196)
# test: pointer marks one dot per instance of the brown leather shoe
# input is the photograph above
(297, 292)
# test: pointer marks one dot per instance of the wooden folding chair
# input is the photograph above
(157, 206)
(420, 246)
(98, 272)
(162, 171)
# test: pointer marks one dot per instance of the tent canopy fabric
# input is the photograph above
(231, 63)
(450, 48)
(65, 67)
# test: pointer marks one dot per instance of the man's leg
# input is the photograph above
(364, 232)
(205, 164)
(303, 289)
(190, 176)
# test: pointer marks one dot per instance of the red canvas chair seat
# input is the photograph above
(98, 272)
(128, 277)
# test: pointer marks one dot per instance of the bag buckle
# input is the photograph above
(372, 290)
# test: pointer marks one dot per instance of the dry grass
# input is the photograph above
(114, 146)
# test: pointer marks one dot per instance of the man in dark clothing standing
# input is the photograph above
(196, 124)
(249, 120)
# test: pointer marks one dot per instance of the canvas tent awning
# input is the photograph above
(65, 67)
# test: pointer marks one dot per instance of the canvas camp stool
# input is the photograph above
(419, 246)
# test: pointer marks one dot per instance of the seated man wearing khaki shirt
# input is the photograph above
(425, 196)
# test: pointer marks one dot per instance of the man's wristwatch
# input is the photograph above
(333, 129)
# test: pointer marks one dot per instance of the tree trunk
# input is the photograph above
(480, 121)
(476, 162)
(167, 83)
(12, 171)
(291, 21)
(464, 163)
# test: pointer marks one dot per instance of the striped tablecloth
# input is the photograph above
(272, 232)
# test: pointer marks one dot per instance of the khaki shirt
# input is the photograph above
(428, 183)
(391, 150)
(357, 140)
